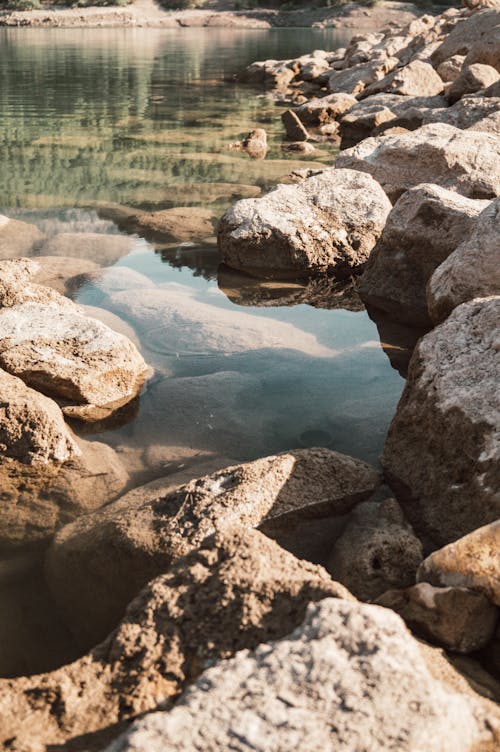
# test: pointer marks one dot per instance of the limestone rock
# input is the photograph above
(32, 427)
(15, 276)
(426, 224)
(478, 113)
(325, 110)
(417, 79)
(18, 238)
(354, 80)
(329, 222)
(448, 70)
(486, 49)
(470, 562)
(471, 79)
(99, 562)
(471, 271)
(104, 250)
(234, 592)
(477, 28)
(378, 550)
(276, 74)
(465, 161)
(295, 131)
(350, 677)
(441, 454)
(255, 143)
(456, 618)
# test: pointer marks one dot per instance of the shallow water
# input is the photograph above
(90, 119)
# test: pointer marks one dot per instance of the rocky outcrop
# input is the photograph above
(349, 677)
(472, 78)
(377, 550)
(236, 591)
(459, 619)
(471, 271)
(477, 113)
(109, 556)
(325, 110)
(18, 238)
(441, 453)
(424, 227)
(473, 31)
(470, 562)
(326, 223)
(466, 162)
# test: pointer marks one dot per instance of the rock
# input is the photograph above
(350, 677)
(255, 143)
(295, 131)
(112, 321)
(471, 79)
(469, 562)
(329, 222)
(397, 340)
(18, 238)
(486, 50)
(32, 427)
(131, 541)
(104, 250)
(234, 592)
(471, 271)
(448, 70)
(439, 456)
(378, 550)
(325, 110)
(426, 224)
(478, 113)
(417, 79)
(478, 28)
(354, 80)
(15, 277)
(64, 273)
(298, 146)
(464, 161)
(275, 74)
(456, 618)
(183, 224)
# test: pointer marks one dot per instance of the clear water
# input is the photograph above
(143, 118)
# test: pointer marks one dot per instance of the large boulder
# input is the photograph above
(18, 238)
(326, 223)
(377, 550)
(478, 113)
(441, 455)
(325, 110)
(355, 79)
(470, 562)
(486, 50)
(350, 677)
(471, 271)
(236, 591)
(426, 224)
(472, 78)
(475, 29)
(99, 562)
(417, 79)
(464, 161)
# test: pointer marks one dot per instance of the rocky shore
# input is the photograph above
(205, 618)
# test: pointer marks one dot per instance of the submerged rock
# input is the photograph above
(470, 562)
(183, 224)
(471, 271)
(237, 590)
(426, 224)
(104, 250)
(18, 238)
(441, 453)
(131, 541)
(456, 618)
(255, 143)
(326, 223)
(350, 677)
(464, 161)
(64, 273)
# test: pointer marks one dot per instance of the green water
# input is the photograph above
(92, 119)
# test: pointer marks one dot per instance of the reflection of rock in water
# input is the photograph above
(319, 292)
(398, 340)
(204, 261)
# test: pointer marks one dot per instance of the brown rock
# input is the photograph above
(18, 238)
(255, 143)
(354, 80)
(417, 79)
(183, 223)
(440, 455)
(378, 550)
(469, 562)
(448, 70)
(295, 131)
(474, 29)
(486, 49)
(471, 79)
(456, 618)
(130, 541)
(325, 110)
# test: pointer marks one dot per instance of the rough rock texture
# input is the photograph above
(471, 561)
(477, 113)
(426, 225)
(15, 276)
(325, 110)
(329, 222)
(442, 455)
(417, 79)
(471, 79)
(98, 563)
(456, 618)
(32, 427)
(294, 129)
(18, 238)
(104, 250)
(464, 161)
(182, 223)
(378, 550)
(477, 29)
(350, 677)
(450, 69)
(277, 74)
(236, 591)
(255, 144)
(471, 271)
(486, 50)
(355, 79)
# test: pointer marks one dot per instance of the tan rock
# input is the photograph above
(294, 129)
(417, 79)
(470, 562)
(235, 591)
(132, 541)
(275, 74)
(441, 453)
(471, 271)
(354, 80)
(325, 110)
(471, 79)
(18, 238)
(255, 143)
(104, 250)
(478, 113)
(476, 28)
(15, 276)
(464, 161)
(486, 49)
(183, 223)
(450, 69)
(65, 274)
